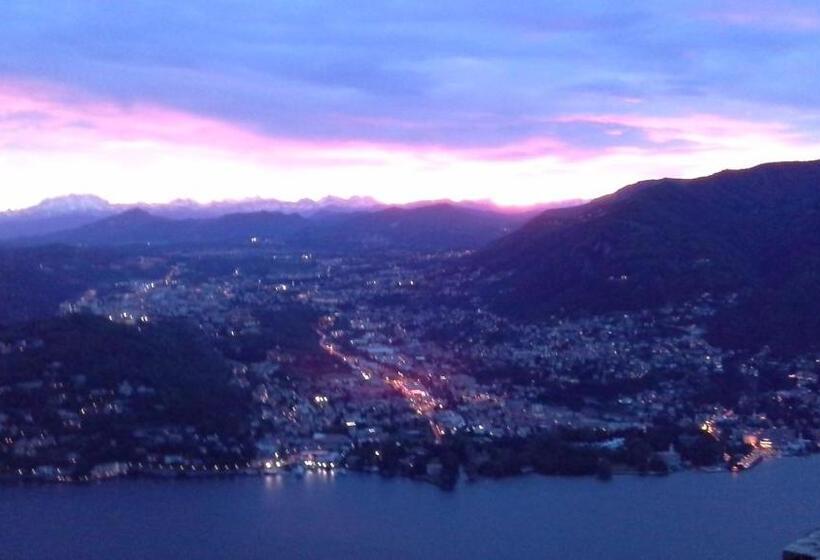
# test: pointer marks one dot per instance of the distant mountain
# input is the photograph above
(181, 209)
(441, 226)
(72, 211)
(54, 214)
(753, 232)
(70, 204)
(436, 227)
(138, 227)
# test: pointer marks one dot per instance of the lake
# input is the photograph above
(686, 516)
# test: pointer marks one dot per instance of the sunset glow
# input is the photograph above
(277, 113)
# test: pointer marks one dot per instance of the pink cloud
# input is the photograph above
(65, 121)
(54, 142)
(700, 129)
(60, 120)
(777, 18)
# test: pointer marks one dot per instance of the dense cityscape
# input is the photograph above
(387, 365)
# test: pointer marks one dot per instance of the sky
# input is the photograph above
(514, 101)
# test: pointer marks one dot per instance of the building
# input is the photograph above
(109, 470)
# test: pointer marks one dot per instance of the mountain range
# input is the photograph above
(425, 227)
(139, 227)
(749, 238)
(72, 211)
(751, 235)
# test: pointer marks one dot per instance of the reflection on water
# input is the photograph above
(322, 515)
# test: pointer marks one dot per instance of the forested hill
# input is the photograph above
(753, 232)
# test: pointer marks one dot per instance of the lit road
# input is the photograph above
(416, 395)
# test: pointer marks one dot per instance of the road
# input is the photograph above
(405, 384)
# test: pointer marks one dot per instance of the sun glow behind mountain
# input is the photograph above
(181, 113)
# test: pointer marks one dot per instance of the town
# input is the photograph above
(391, 365)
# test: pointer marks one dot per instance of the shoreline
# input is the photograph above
(250, 472)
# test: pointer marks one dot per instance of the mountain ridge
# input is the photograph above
(71, 211)
(666, 241)
(434, 227)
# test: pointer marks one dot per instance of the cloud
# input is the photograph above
(56, 144)
(293, 69)
(528, 87)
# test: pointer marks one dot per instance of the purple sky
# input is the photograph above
(518, 101)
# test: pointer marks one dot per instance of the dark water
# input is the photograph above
(686, 516)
